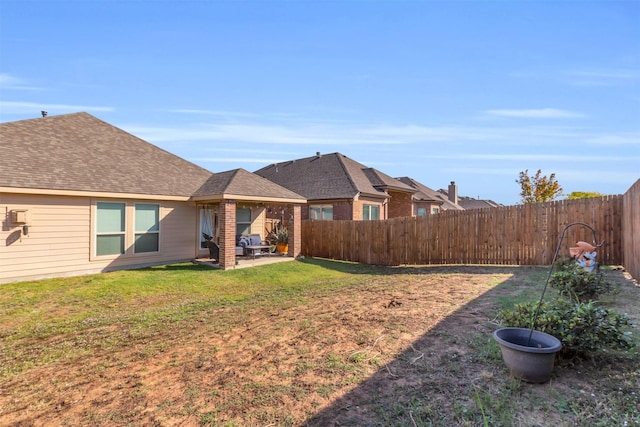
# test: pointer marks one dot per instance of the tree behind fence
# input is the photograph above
(513, 235)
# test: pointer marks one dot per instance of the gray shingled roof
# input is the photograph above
(469, 203)
(330, 176)
(427, 194)
(240, 182)
(78, 152)
(381, 180)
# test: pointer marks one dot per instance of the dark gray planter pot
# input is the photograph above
(530, 360)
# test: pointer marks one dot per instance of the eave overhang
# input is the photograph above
(245, 198)
(103, 194)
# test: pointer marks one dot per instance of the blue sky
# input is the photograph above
(465, 91)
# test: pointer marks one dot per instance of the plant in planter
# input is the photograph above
(573, 321)
(582, 327)
(529, 354)
(282, 240)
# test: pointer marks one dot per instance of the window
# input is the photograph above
(422, 211)
(435, 210)
(323, 212)
(147, 232)
(243, 221)
(110, 228)
(371, 212)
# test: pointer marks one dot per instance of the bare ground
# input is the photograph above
(410, 347)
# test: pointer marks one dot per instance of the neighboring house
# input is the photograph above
(78, 195)
(339, 188)
(467, 203)
(428, 201)
(470, 203)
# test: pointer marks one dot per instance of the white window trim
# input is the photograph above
(129, 231)
(371, 205)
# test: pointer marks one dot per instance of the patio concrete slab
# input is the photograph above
(248, 261)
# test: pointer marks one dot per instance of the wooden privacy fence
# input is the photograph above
(631, 230)
(514, 235)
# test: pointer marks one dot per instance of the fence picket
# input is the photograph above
(522, 235)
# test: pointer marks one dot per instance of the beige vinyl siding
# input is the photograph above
(257, 221)
(60, 238)
(179, 224)
(57, 240)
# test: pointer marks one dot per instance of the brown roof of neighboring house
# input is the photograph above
(427, 194)
(79, 152)
(330, 176)
(381, 180)
(469, 203)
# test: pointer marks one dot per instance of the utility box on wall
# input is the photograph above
(19, 216)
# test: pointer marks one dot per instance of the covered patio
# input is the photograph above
(237, 203)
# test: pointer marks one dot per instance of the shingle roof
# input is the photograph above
(330, 176)
(82, 153)
(79, 152)
(470, 203)
(240, 182)
(381, 180)
(427, 194)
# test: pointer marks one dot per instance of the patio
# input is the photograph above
(247, 261)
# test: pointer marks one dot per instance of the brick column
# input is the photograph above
(227, 218)
(295, 232)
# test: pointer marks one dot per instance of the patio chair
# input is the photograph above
(214, 249)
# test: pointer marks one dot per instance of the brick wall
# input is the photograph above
(227, 218)
(342, 210)
(295, 232)
(357, 210)
(400, 204)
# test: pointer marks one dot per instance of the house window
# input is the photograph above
(422, 211)
(110, 225)
(371, 212)
(243, 221)
(435, 210)
(147, 232)
(322, 212)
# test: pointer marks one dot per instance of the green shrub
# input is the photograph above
(579, 285)
(583, 328)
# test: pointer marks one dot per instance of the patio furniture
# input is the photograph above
(253, 244)
(214, 249)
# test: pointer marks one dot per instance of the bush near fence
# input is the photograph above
(513, 235)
